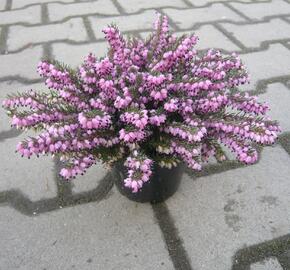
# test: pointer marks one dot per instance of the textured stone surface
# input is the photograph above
(23, 63)
(198, 3)
(112, 234)
(74, 54)
(258, 11)
(189, 17)
(91, 179)
(252, 35)
(21, 3)
(278, 97)
(137, 5)
(30, 15)
(72, 30)
(34, 177)
(58, 11)
(270, 63)
(209, 37)
(140, 21)
(2, 5)
(218, 214)
(269, 264)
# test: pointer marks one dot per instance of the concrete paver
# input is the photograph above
(91, 236)
(272, 264)
(59, 11)
(72, 30)
(30, 15)
(252, 35)
(24, 63)
(131, 6)
(259, 11)
(219, 214)
(185, 19)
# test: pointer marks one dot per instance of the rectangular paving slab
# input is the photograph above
(112, 234)
(221, 213)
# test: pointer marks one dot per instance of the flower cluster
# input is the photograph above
(154, 101)
(139, 171)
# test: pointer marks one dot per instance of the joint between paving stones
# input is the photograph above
(8, 134)
(261, 86)
(16, 199)
(171, 237)
(230, 37)
(119, 7)
(284, 261)
(47, 52)
(266, 19)
(8, 5)
(64, 188)
(3, 40)
(170, 21)
(187, 3)
(286, 44)
(20, 79)
(44, 14)
(263, 45)
(237, 11)
(89, 30)
(284, 141)
(252, 254)
(208, 4)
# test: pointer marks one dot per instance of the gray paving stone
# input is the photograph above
(21, 64)
(142, 21)
(90, 179)
(198, 3)
(269, 264)
(30, 15)
(21, 3)
(209, 37)
(219, 214)
(58, 11)
(74, 54)
(131, 6)
(278, 97)
(189, 17)
(266, 64)
(2, 5)
(9, 88)
(258, 11)
(252, 35)
(112, 234)
(34, 177)
(71, 30)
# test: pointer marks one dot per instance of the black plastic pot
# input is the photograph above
(162, 184)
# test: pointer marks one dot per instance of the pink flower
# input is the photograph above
(144, 102)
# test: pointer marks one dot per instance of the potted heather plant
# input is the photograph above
(145, 109)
